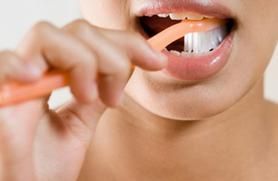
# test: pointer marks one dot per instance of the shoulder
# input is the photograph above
(270, 165)
(272, 111)
(271, 115)
(271, 123)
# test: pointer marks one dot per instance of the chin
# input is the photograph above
(177, 100)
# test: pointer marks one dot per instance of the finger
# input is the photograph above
(138, 50)
(87, 114)
(106, 51)
(83, 85)
(132, 44)
(48, 47)
(17, 132)
(71, 130)
(111, 90)
(114, 66)
(14, 68)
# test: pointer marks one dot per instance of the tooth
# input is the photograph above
(177, 16)
(203, 42)
(163, 15)
(185, 15)
(209, 17)
(174, 52)
(194, 16)
(183, 53)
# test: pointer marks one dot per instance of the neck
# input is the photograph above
(251, 108)
(230, 141)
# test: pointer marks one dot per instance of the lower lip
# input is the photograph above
(199, 67)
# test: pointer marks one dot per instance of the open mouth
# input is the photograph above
(198, 43)
(197, 56)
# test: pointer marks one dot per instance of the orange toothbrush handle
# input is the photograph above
(13, 93)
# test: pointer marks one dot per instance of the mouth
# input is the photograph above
(196, 56)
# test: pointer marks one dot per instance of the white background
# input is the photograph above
(16, 17)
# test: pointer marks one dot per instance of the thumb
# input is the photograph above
(86, 114)
(70, 129)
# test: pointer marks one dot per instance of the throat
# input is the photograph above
(146, 146)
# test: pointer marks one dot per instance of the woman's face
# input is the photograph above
(253, 39)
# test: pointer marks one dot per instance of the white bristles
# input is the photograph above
(202, 42)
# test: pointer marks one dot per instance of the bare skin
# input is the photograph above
(109, 133)
(132, 148)
(36, 143)
(234, 141)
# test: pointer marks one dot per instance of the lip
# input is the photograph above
(207, 7)
(199, 67)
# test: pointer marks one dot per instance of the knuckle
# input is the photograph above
(11, 66)
(85, 66)
(81, 27)
(89, 60)
(87, 70)
(41, 28)
(6, 54)
(93, 62)
(7, 58)
(119, 64)
(123, 67)
(80, 22)
(135, 37)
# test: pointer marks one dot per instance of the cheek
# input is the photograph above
(112, 14)
(257, 37)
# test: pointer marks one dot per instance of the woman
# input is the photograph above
(194, 113)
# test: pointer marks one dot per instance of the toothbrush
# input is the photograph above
(13, 93)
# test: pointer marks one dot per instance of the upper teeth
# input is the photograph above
(183, 16)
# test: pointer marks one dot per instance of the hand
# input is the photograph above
(39, 144)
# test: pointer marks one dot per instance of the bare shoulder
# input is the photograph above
(272, 122)
(272, 111)
(270, 165)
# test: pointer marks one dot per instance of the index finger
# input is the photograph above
(138, 49)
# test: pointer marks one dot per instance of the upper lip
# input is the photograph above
(204, 7)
